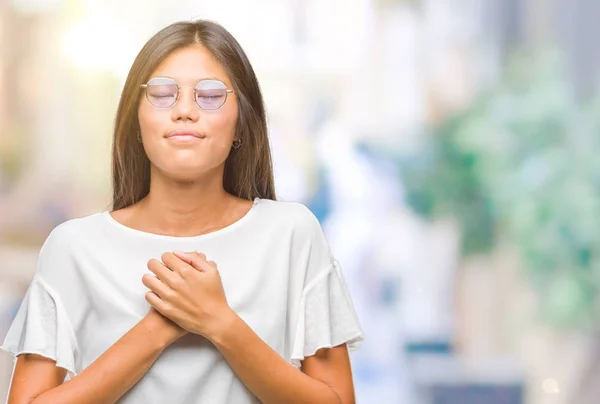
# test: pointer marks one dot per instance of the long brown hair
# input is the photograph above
(248, 169)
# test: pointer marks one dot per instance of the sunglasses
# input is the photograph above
(163, 92)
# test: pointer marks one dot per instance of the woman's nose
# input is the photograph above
(186, 107)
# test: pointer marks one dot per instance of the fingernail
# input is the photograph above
(178, 252)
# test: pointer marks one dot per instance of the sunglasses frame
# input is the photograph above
(195, 88)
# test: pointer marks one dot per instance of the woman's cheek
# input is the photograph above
(221, 148)
(223, 132)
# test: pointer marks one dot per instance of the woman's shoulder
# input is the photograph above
(292, 212)
(72, 229)
(291, 215)
(59, 252)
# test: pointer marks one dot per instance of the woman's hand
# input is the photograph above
(165, 328)
(188, 290)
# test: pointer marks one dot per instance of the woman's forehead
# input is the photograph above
(187, 66)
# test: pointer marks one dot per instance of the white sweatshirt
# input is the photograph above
(278, 274)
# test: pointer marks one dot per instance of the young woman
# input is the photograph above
(198, 286)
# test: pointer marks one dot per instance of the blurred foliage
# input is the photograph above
(521, 164)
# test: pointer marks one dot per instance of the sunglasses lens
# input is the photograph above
(161, 92)
(211, 94)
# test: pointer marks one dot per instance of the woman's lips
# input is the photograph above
(185, 133)
(184, 139)
(185, 136)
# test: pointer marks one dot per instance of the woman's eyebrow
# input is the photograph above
(195, 81)
(210, 78)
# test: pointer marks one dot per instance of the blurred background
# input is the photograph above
(448, 148)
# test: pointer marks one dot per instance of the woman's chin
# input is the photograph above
(188, 175)
(187, 170)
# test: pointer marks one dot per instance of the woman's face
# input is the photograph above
(169, 149)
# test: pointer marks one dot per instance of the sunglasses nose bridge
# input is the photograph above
(193, 92)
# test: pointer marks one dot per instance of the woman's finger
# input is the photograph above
(154, 301)
(160, 305)
(156, 286)
(162, 272)
(195, 259)
(178, 266)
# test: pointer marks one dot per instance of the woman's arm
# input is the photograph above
(326, 377)
(188, 289)
(37, 380)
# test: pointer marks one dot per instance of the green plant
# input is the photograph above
(521, 164)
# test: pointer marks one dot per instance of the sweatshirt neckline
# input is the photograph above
(106, 214)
